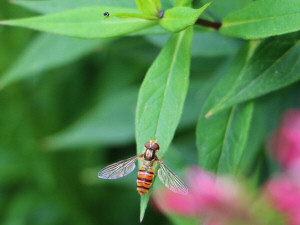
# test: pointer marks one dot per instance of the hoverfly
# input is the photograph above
(146, 172)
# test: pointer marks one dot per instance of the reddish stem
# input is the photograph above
(206, 23)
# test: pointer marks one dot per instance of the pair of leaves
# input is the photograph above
(162, 95)
(221, 138)
(258, 19)
(258, 69)
(110, 122)
(90, 23)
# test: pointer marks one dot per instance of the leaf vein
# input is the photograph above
(227, 24)
(225, 136)
(169, 77)
(265, 71)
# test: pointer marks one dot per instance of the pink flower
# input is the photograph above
(284, 194)
(285, 143)
(212, 193)
(217, 200)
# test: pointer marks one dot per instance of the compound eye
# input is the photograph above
(155, 146)
(147, 144)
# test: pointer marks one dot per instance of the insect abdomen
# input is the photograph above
(144, 179)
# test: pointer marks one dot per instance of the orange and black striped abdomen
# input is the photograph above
(144, 179)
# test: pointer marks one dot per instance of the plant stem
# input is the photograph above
(206, 23)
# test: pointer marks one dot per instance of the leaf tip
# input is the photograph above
(208, 114)
(141, 218)
(142, 213)
(4, 22)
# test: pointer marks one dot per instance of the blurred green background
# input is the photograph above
(73, 115)
(69, 110)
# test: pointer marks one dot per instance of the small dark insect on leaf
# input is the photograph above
(106, 14)
(161, 14)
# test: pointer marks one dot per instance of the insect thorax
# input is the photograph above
(149, 154)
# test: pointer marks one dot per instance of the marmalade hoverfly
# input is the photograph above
(146, 172)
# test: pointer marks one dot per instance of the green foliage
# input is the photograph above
(230, 130)
(164, 78)
(48, 52)
(163, 92)
(54, 6)
(265, 119)
(205, 44)
(184, 2)
(162, 96)
(220, 8)
(150, 7)
(109, 123)
(179, 18)
(263, 19)
(91, 21)
(274, 65)
(221, 138)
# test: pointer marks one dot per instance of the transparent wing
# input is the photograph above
(118, 169)
(171, 180)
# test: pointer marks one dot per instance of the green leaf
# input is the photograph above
(275, 64)
(54, 6)
(59, 6)
(263, 19)
(198, 92)
(149, 7)
(266, 116)
(222, 138)
(184, 2)
(85, 23)
(135, 15)
(221, 8)
(47, 52)
(170, 3)
(179, 18)
(205, 44)
(156, 30)
(212, 44)
(162, 95)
